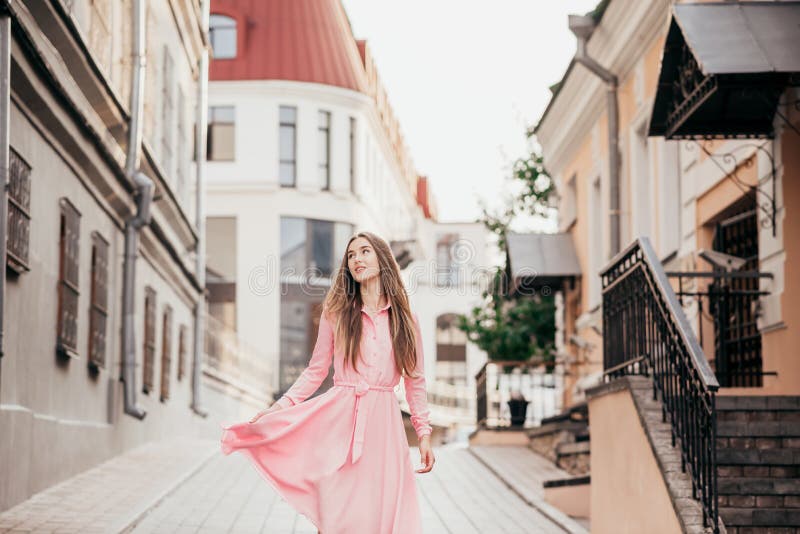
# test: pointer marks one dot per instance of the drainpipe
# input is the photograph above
(144, 196)
(5, 108)
(200, 220)
(582, 26)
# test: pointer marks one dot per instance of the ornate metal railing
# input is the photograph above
(645, 332)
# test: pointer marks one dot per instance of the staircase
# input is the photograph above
(758, 464)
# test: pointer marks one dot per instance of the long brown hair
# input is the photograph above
(343, 307)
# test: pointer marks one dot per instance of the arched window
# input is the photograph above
(222, 34)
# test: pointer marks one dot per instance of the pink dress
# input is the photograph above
(342, 458)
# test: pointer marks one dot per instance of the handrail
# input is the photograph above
(645, 331)
(673, 306)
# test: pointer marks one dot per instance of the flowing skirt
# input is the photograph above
(305, 453)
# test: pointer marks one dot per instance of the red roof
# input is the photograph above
(425, 198)
(299, 40)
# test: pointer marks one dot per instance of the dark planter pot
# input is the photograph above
(518, 408)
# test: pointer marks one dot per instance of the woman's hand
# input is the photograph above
(274, 408)
(426, 454)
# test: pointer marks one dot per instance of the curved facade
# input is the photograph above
(304, 150)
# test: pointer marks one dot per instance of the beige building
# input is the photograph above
(686, 239)
(103, 294)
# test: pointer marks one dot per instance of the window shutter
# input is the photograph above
(68, 288)
(19, 213)
(166, 352)
(98, 311)
(149, 339)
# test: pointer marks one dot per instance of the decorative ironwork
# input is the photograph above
(730, 163)
(738, 340)
(68, 279)
(19, 213)
(98, 311)
(645, 332)
(729, 311)
(690, 90)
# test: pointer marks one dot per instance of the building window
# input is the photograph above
(166, 351)
(569, 203)
(100, 34)
(221, 133)
(311, 246)
(352, 154)
(642, 207)
(151, 100)
(181, 171)
(148, 374)
(308, 247)
(98, 310)
(19, 213)
(447, 268)
(324, 148)
(596, 254)
(181, 351)
(167, 115)
(68, 268)
(288, 148)
(222, 34)
(221, 269)
(668, 198)
(451, 350)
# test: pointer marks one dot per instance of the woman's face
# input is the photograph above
(362, 260)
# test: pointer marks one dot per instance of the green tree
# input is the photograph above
(520, 327)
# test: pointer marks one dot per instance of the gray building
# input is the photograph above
(102, 107)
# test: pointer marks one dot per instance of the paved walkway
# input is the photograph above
(112, 495)
(210, 492)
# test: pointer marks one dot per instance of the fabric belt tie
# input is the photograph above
(361, 388)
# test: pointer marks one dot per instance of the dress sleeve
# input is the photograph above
(317, 369)
(416, 393)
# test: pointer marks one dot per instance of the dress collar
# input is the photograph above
(363, 307)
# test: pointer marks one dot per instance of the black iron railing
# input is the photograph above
(645, 332)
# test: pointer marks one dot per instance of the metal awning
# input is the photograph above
(538, 260)
(724, 67)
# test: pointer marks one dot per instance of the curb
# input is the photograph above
(549, 511)
(177, 483)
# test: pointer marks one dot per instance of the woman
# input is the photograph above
(341, 458)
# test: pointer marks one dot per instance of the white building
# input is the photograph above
(304, 150)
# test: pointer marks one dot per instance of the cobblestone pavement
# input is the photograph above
(216, 493)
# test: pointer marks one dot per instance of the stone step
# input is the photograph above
(758, 457)
(757, 403)
(786, 416)
(752, 486)
(758, 429)
(760, 517)
(758, 471)
(759, 501)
